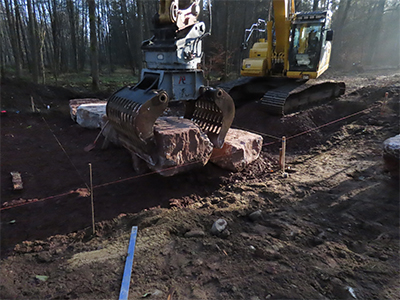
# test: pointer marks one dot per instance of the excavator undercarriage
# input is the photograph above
(282, 96)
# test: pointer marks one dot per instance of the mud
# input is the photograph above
(330, 230)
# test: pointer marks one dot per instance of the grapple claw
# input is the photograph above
(213, 111)
(132, 112)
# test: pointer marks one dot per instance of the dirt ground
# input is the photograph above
(330, 230)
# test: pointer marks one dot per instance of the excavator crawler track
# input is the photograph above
(299, 96)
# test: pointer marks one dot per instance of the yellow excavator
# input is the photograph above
(279, 68)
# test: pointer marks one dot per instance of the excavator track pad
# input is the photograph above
(298, 96)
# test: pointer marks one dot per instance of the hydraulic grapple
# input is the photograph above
(172, 57)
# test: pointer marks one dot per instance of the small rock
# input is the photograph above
(224, 234)
(156, 293)
(256, 216)
(219, 226)
(195, 233)
(339, 290)
(268, 254)
(43, 257)
(383, 257)
(391, 155)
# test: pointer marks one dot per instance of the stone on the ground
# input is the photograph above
(109, 133)
(391, 155)
(75, 103)
(240, 149)
(17, 180)
(219, 226)
(195, 233)
(90, 115)
(256, 215)
(181, 146)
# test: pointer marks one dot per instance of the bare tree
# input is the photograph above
(72, 27)
(13, 38)
(315, 5)
(126, 34)
(93, 45)
(33, 42)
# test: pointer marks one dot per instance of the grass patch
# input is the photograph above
(109, 82)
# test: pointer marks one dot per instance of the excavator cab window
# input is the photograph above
(305, 48)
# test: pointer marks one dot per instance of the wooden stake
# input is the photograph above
(384, 102)
(283, 153)
(91, 196)
(283, 157)
(33, 105)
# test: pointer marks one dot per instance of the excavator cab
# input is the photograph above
(310, 45)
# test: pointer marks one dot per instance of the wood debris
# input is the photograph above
(17, 180)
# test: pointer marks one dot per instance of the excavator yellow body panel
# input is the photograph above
(256, 64)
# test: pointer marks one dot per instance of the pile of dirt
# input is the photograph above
(328, 231)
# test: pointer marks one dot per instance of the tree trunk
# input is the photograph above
(23, 23)
(18, 31)
(228, 29)
(93, 45)
(13, 39)
(71, 18)
(315, 5)
(126, 34)
(375, 31)
(56, 36)
(82, 38)
(338, 46)
(140, 30)
(33, 43)
(2, 51)
(108, 42)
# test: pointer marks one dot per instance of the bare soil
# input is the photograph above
(330, 230)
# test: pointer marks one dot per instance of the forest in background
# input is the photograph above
(52, 37)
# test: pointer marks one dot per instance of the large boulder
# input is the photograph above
(75, 103)
(90, 115)
(391, 155)
(180, 145)
(109, 133)
(240, 149)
